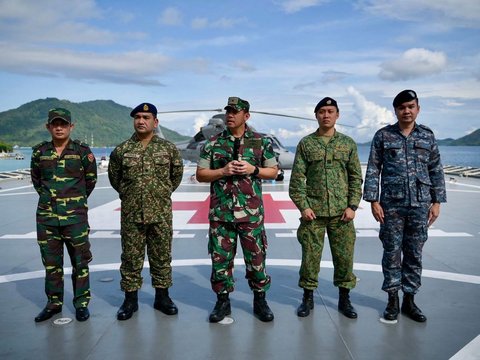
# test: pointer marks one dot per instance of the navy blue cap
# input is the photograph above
(144, 107)
(404, 96)
(327, 101)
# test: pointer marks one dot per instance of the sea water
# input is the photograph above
(451, 155)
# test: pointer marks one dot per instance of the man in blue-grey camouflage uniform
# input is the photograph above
(64, 173)
(326, 186)
(145, 170)
(405, 161)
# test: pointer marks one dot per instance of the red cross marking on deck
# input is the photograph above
(272, 209)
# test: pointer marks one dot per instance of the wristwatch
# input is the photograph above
(256, 171)
(353, 207)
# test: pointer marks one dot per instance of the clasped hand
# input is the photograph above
(237, 167)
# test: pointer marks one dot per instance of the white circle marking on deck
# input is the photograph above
(62, 321)
(434, 274)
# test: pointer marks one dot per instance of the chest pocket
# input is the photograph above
(422, 150)
(73, 167)
(131, 166)
(47, 168)
(393, 150)
(162, 165)
(316, 155)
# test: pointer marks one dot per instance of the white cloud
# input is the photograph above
(371, 116)
(200, 121)
(53, 21)
(199, 23)
(131, 67)
(222, 23)
(292, 6)
(244, 66)
(412, 64)
(170, 17)
(454, 13)
(453, 103)
(298, 133)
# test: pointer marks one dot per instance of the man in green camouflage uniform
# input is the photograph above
(325, 186)
(64, 173)
(145, 170)
(235, 162)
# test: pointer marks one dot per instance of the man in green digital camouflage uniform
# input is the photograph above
(64, 173)
(145, 170)
(325, 186)
(235, 162)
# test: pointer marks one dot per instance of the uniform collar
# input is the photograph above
(135, 138)
(248, 133)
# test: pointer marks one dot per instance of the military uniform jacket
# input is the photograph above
(237, 198)
(63, 182)
(145, 178)
(409, 167)
(326, 178)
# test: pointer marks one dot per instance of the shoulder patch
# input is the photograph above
(82, 144)
(425, 128)
(35, 147)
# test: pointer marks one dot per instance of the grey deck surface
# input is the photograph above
(449, 295)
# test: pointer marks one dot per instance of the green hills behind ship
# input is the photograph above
(107, 122)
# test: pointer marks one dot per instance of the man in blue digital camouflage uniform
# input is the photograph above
(235, 162)
(64, 173)
(405, 161)
(326, 186)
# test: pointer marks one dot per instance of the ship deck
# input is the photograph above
(448, 296)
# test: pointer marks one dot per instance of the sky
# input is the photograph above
(282, 56)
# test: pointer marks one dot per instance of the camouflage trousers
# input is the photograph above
(158, 240)
(341, 237)
(404, 231)
(51, 240)
(222, 247)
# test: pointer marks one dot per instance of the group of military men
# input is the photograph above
(325, 186)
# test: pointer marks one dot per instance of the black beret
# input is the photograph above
(144, 107)
(327, 101)
(404, 96)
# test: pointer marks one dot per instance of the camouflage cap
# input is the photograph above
(237, 104)
(326, 101)
(404, 96)
(144, 107)
(59, 113)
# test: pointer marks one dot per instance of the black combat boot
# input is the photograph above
(129, 306)
(393, 308)
(260, 307)
(47, 313)
(344, 304)
(222, 308)
(411, 310)
(163, 302)
(307, 303)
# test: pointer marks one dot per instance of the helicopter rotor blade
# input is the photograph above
(185, 111)
(252, 111)
(294, 117)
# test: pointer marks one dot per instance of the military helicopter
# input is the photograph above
(190, 150)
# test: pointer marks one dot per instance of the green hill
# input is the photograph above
(106, 121)
(472, 139)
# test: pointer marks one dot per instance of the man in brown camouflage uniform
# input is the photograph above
(235, 162)
(145, 170)
(325, 186)
(64, 174)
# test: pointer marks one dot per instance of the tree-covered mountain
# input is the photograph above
(107, 122)
(472, 139)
